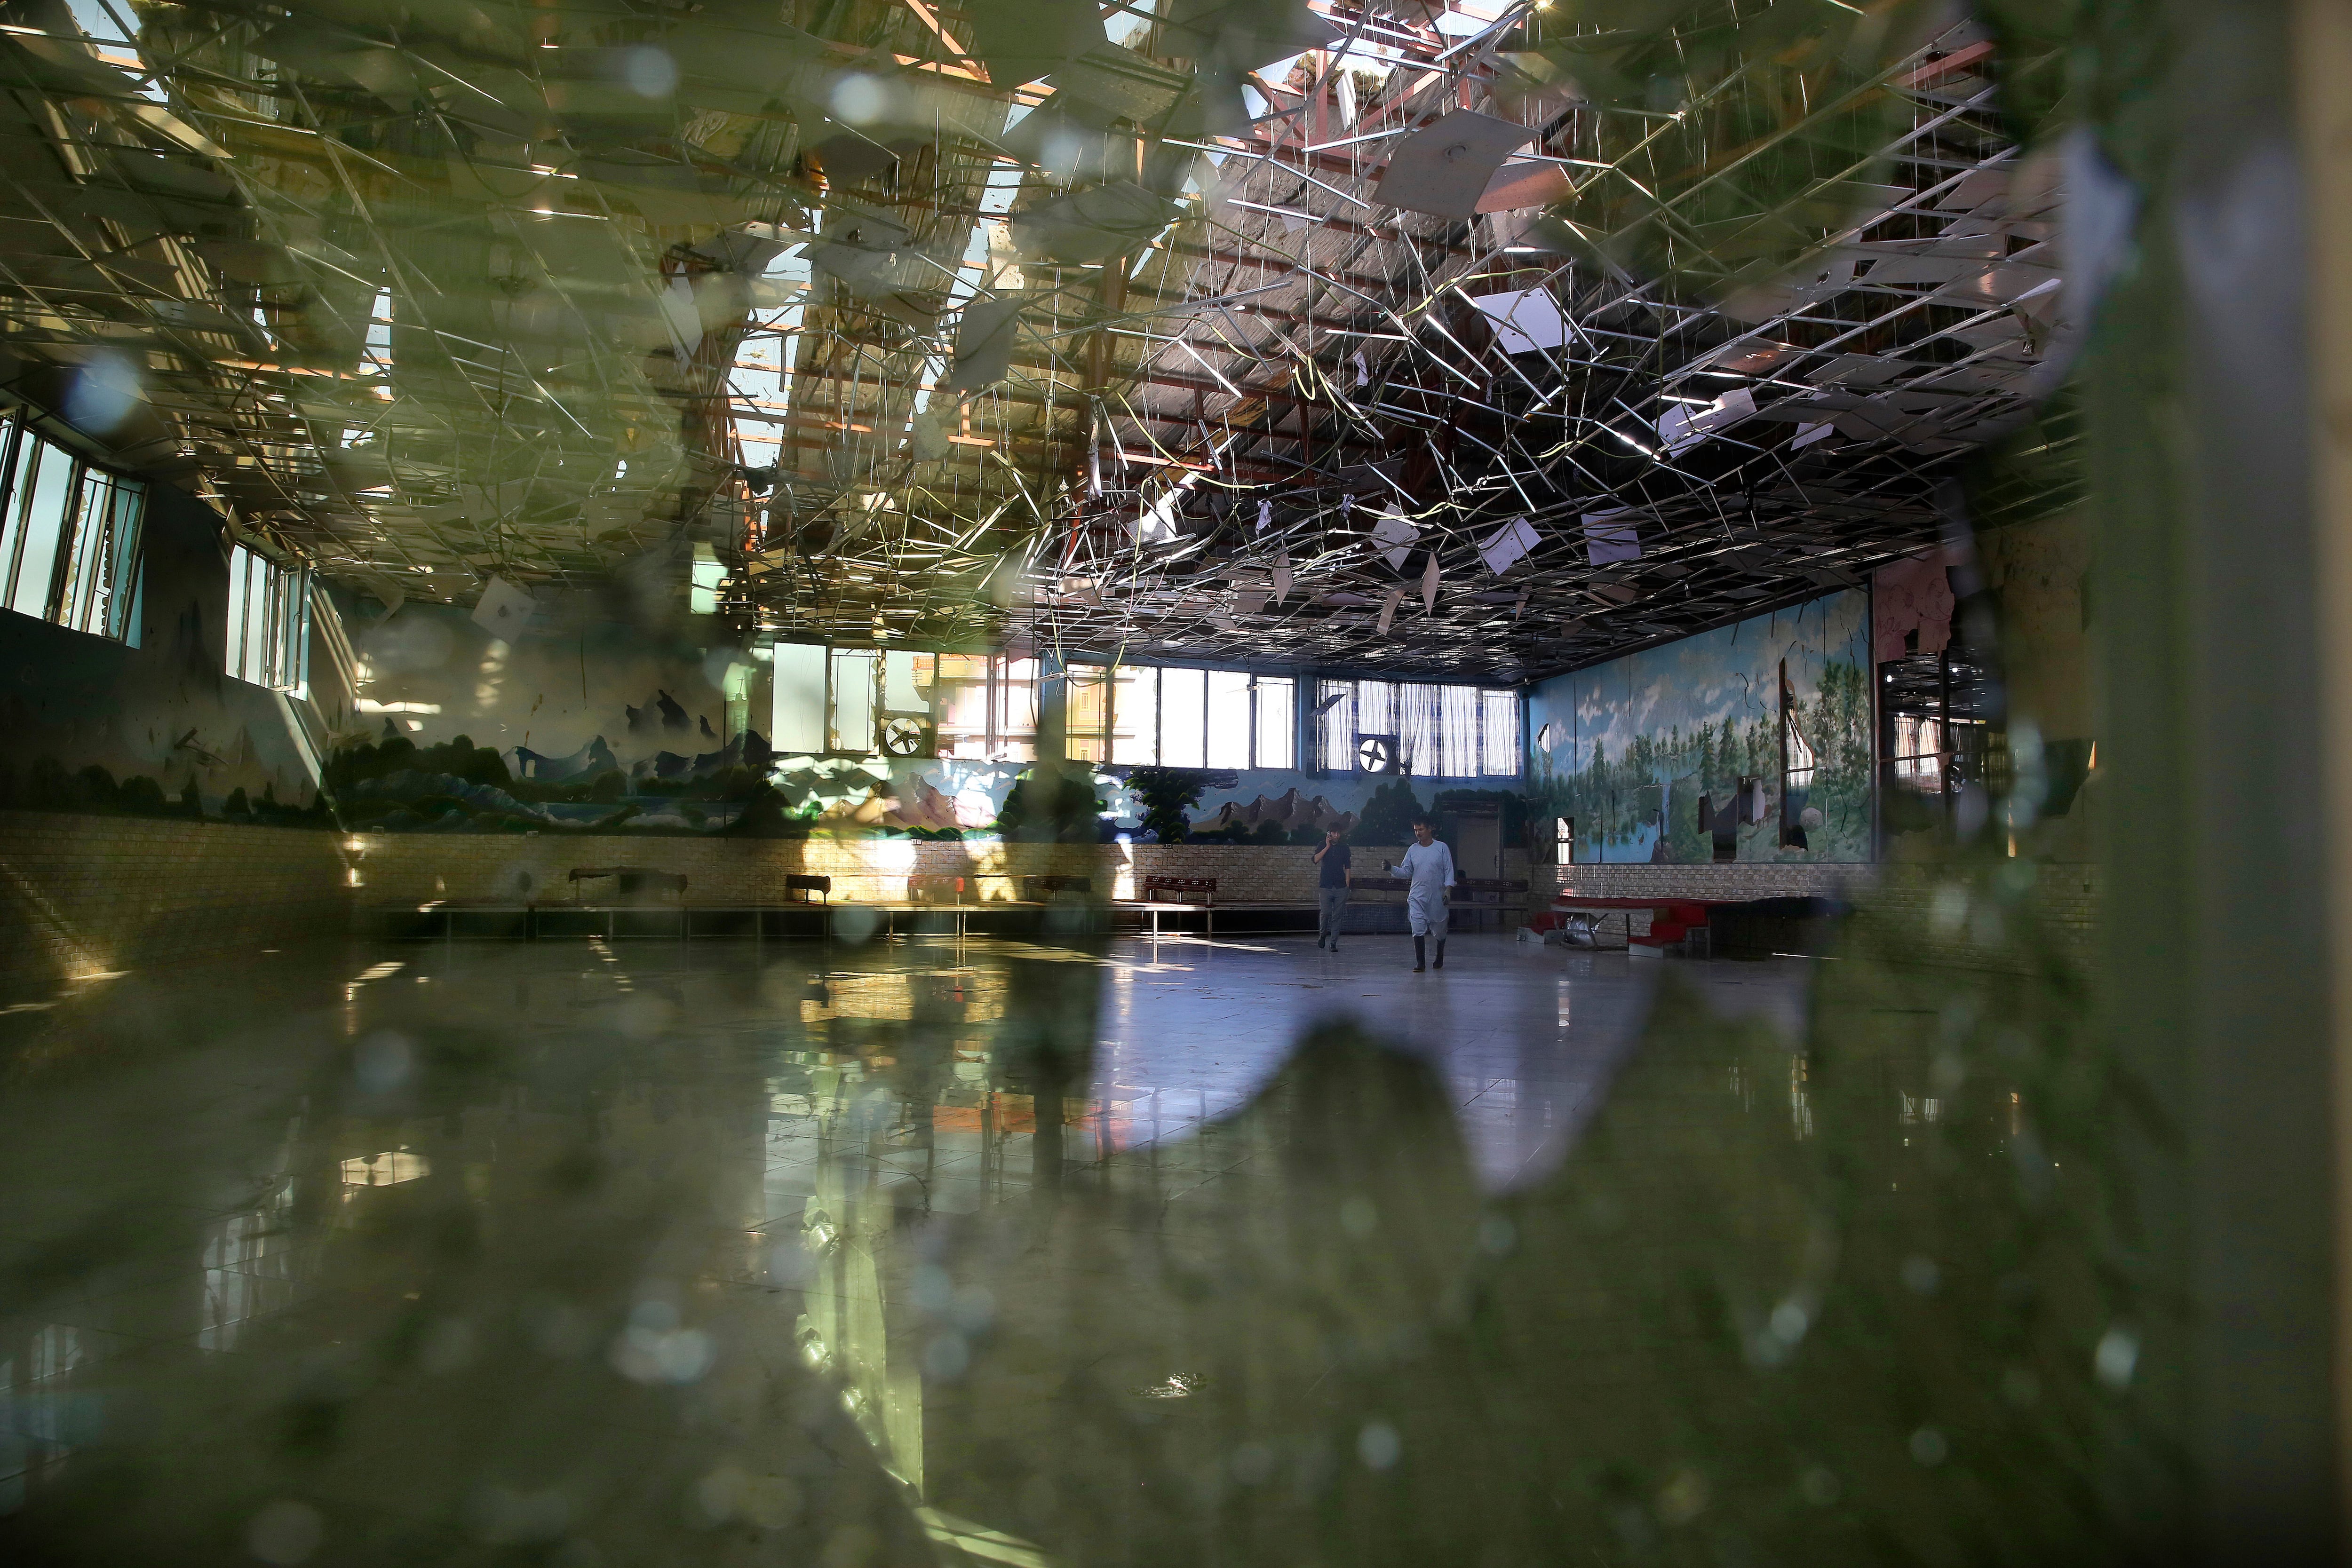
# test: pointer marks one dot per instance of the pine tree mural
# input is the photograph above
(1614, 799)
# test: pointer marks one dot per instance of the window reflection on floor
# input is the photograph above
(1011, 1253)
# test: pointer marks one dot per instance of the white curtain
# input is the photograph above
(1502, 735)
(1335, 726)
(1500, 723)
(1418, 721)
(1458, 731)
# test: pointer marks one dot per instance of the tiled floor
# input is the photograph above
(715, 1251)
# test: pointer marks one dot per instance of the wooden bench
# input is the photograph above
(1046, 889)
(798, 886)
(1174, 895)
(631, 882)
(1485, 893)
(1171, 895)
(1478, 894)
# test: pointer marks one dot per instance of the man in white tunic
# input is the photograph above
(1430, 864)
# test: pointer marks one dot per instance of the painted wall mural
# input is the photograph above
(589, 723)
(1750, 742)
(152, 725)
(584, 722)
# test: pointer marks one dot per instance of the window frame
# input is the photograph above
(1001, 734)
(1147, 744)
(92, 574)
(99, 571)
(1423, 716)
(1107, 733)
(280, 662)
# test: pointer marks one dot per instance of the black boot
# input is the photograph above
(1420, 956)
(1441, 952)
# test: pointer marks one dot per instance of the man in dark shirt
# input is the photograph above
(1331, 889)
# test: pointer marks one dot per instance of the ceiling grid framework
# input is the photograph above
(1481, 342)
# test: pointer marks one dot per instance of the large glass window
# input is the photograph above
(268, 621)
(1176, 717)
(1015, 738)
(976, 707)
(1230, 726)
(1277, 722)
(1919, 751)
(1440, 731)
(68, 538)
(959, 703)
(103, 565)
(1183, 718)
(1087, 713)
(1458, 732)
(854, 671)
(798, 723)
(1135, 715)
(984, 708)
(36, 515)
(1502, 751)
(1376, 712)
(1335, 726)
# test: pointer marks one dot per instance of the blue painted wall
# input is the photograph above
(1616, 744)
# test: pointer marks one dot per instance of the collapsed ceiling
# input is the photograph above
(1483, 341)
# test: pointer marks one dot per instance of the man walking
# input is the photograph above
(1430, 864)
(1331, 889)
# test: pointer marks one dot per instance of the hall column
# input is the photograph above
(2198, 379)
(2323, 52)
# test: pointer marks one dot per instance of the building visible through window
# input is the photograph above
(268, 621)
(69, 537)
(99, 590)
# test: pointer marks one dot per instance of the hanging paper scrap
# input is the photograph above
(1509, 544)
(1395, 535)
(1610, 535)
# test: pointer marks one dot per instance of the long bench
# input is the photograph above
(1165, 893)
(629, 880)
(457, 920)
(931, 903)
(1471, 895)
